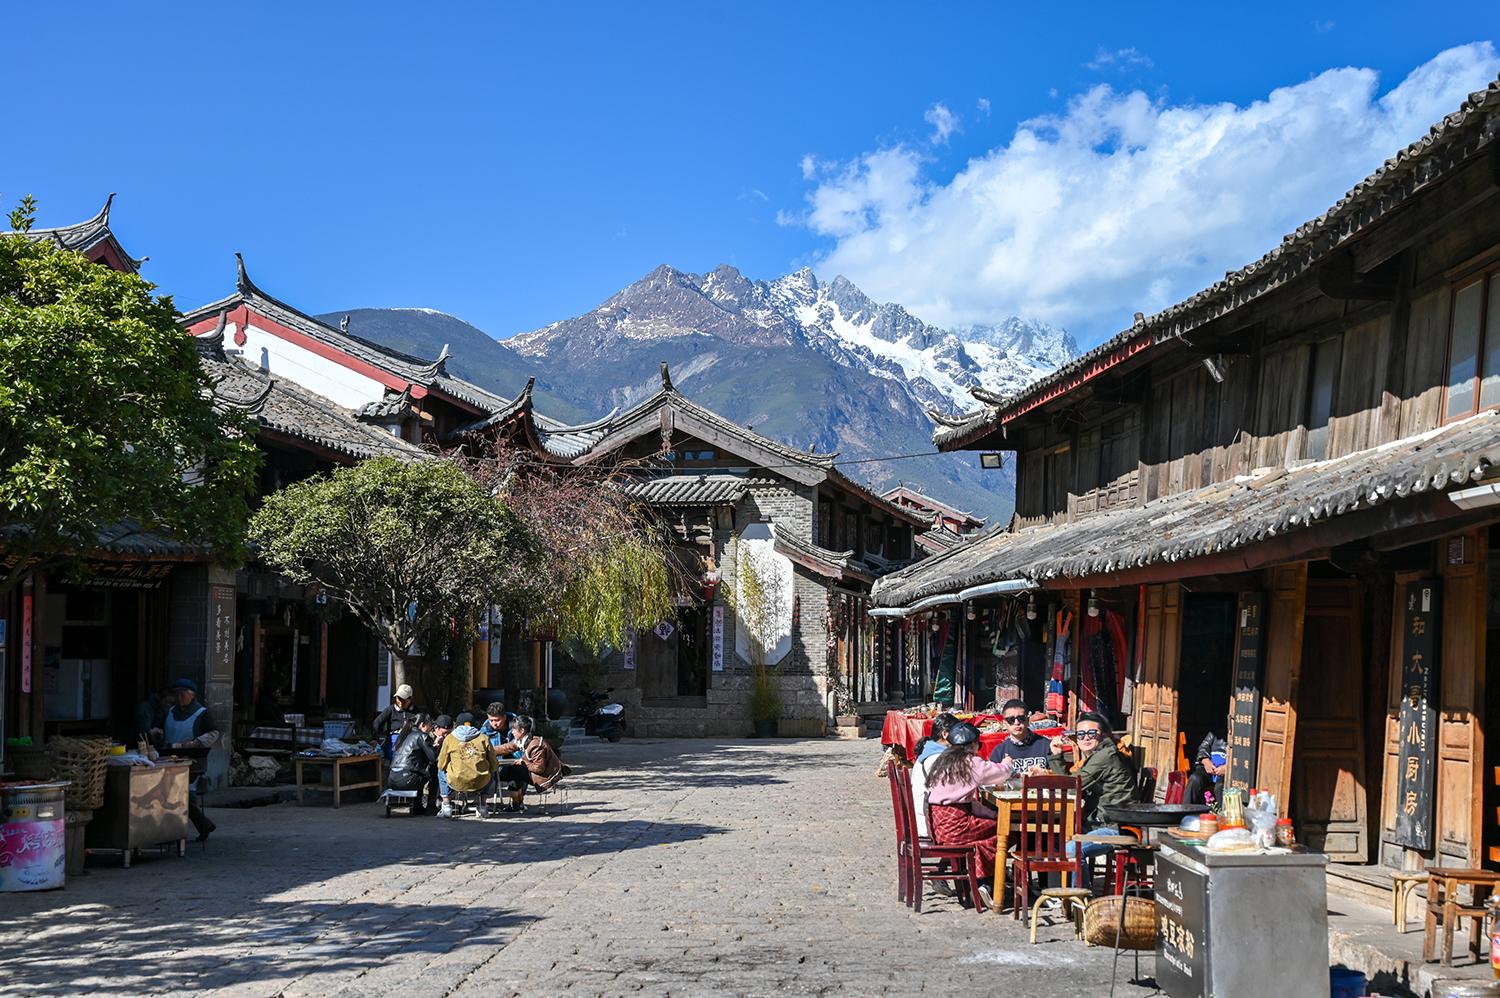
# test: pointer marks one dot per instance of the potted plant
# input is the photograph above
(765, 702)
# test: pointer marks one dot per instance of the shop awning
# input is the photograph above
(1212, 520)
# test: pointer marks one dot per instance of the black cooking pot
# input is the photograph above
(1150, 814)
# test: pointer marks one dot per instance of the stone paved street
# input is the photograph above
(678, 867)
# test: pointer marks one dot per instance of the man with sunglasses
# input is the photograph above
(1027, 751)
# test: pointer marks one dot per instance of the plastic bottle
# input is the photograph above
(1285, 836)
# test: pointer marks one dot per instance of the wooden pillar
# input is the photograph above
(255, 662)
(1285, 605)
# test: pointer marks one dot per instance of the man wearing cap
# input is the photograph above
(390, 720)
(189, 728)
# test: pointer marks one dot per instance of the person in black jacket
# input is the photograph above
(415, 759)
(390, 721)
(1207, 776)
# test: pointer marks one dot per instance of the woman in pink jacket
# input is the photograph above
(959, 817)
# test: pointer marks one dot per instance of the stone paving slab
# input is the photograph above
(676, 868)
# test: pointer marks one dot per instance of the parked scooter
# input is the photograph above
(599, 717)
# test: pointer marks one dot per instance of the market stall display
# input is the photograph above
(1240, 901)
(145, 806)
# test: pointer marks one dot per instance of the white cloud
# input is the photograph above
(943, 121)
(1120, 59)
(1119, 203)
(1322, 27)
(809, 166)
(983, 104)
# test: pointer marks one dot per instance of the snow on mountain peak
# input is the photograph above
(937, 367)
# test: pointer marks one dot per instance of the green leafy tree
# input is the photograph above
(411, 549)
(761, 606)
(105, 414)
(602, 565)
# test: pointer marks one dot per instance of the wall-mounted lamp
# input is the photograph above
(1093, 606)
(1031, 607)
(992, 461)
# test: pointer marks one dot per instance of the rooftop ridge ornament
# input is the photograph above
(666, 378)
(242, 281)
(103, 215)
(344, 325)
(212, 344)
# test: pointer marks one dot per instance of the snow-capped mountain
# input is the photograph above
(935, 367)
(804, 362)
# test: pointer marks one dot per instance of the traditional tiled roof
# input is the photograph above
(709, 489)
(287, 408)
(580, 443)
(921, 498)
(431, 374)
(84, 236)
(392, 406)
(831, 564)
(940, 539)
(1447, 145)
(130, 538)
(1212, 520)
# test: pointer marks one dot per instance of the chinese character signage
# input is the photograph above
(1181, 929)
(1420, 613)
(221, 634)
(1244, 712)
(718, 649)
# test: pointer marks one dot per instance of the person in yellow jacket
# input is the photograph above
(467, 760)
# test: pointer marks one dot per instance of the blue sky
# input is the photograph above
(516, 165)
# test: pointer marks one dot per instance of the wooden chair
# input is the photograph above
(901, 861)
(1176, 787)
(1051, 815)
(923, 856)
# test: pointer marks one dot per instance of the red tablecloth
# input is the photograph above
(905, 732)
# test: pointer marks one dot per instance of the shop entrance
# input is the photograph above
(1328, 780)
(672, 658)
(1206, 669)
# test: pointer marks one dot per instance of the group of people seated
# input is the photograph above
(443, 756)
(948, 773)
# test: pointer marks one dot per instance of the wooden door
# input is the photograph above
(1286, 593)
(1460, 738)
(1155, 715)
(1329, 792)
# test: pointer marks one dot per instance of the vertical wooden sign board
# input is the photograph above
(1244, 712)
(1416, 767)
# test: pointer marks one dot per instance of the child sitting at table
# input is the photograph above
(959, 817)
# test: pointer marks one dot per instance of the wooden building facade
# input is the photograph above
(1284, 486)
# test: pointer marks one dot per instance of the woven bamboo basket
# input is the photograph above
(1101, 922)
(32, 762)
(83, 763)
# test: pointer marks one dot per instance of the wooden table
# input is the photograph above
(339, 784)
(1442, 900)
(1007, 805)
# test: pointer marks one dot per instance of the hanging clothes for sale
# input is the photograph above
(1062, 665)
(945, 652)
(1006, 648)
(1103, 669)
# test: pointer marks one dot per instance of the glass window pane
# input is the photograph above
(1489, 385)
(1463, 351)
(1320, 398)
